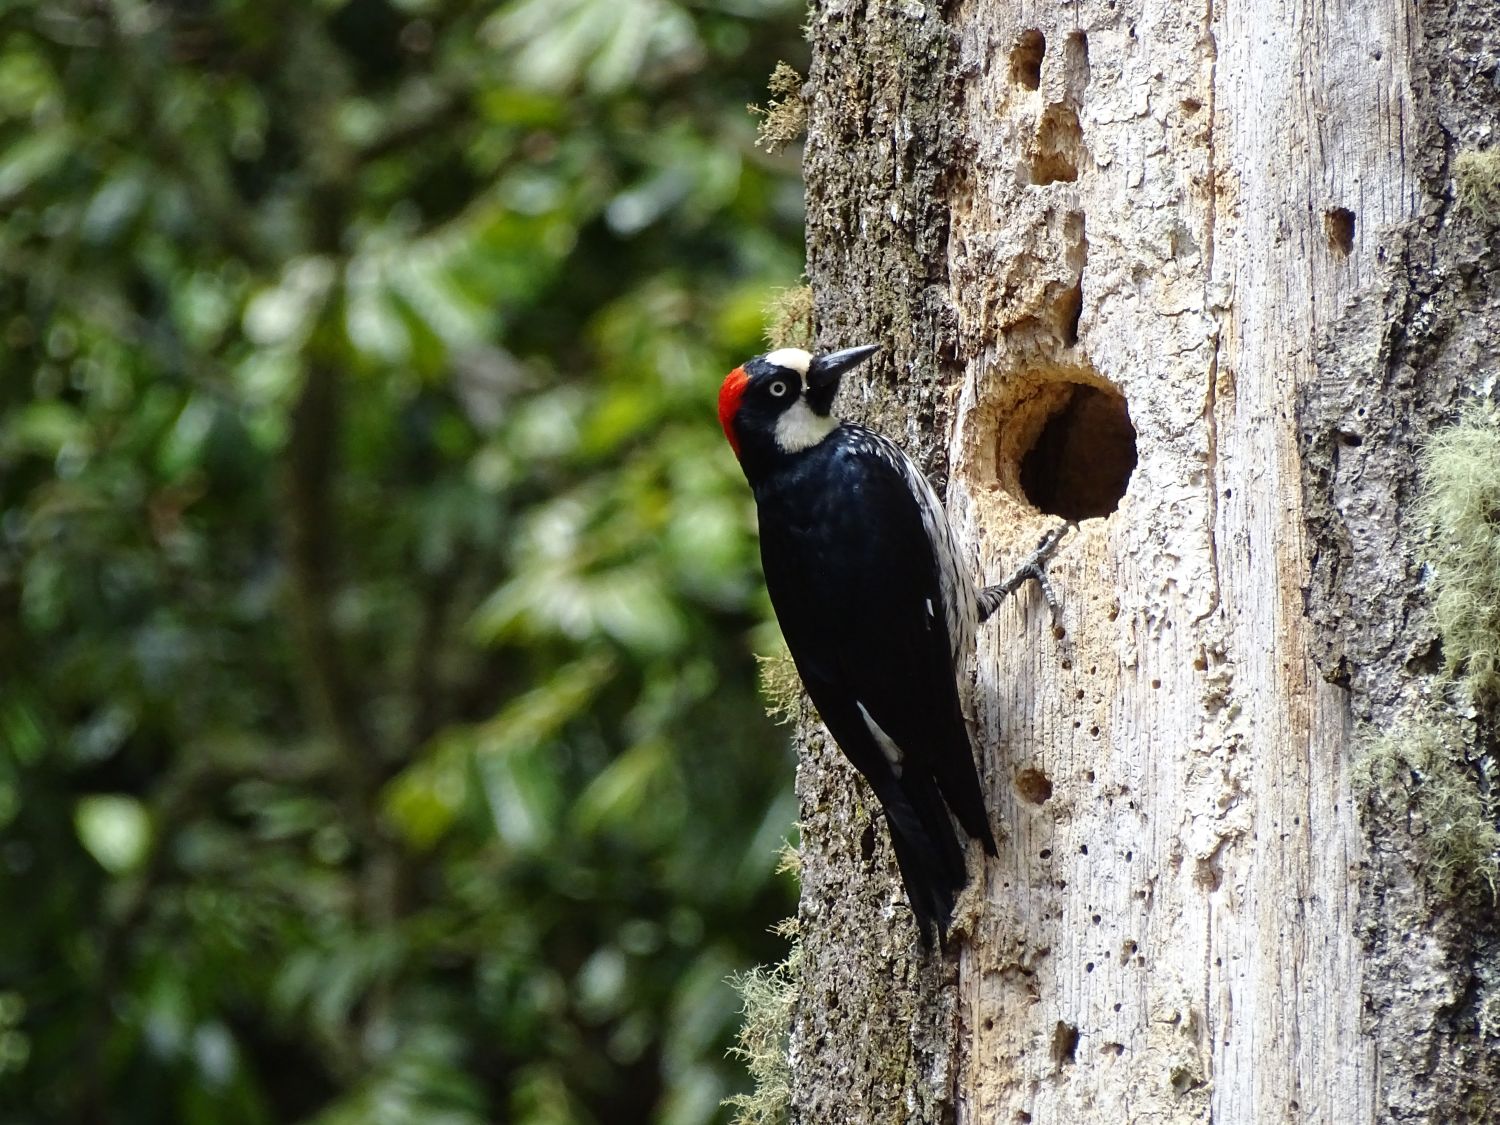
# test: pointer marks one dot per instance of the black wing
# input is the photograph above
(854, 579)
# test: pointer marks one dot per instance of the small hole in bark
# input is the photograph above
(1191, 105)
(1338, 224)
(1034, 786)
(1208, 875)
(1183, 1080)
(867, 843)
(1076, 60)
(1083, 849)
(1064, 1043)
(1089, 968)
(1116, 1049)
(1079, 462)
(1352, 441)
(1069, 313)
(1058, 148)
(1045, 853)
(1026, 59)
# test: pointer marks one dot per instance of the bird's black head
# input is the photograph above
(782, 402)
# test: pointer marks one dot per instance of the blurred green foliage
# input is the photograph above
(378, 740)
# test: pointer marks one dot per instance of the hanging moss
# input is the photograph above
(1476, 178)
(1415, 778)
(784, 117)
(1460, 506)
(780, 686)
(769, 994)
(789, 318)
(1419, 778)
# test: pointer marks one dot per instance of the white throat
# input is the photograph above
(799, 428)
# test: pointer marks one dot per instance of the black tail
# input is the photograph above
(928, 852)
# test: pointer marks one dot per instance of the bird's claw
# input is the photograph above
(1033, 566)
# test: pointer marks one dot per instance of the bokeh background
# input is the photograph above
(379, 739)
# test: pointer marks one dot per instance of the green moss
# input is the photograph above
(789, 318)
(789, 862)
(780, 686)
(769, 995)
(1460, 504)
(1476, 176)
(1416, 780)
(783, 121)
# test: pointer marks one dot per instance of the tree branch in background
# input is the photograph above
(310, 534)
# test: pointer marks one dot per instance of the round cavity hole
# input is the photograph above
(1071, 449)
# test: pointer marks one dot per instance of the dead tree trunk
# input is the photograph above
(1194, 275)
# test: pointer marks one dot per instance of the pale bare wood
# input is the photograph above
(1188, 925)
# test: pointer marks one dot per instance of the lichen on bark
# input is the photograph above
(874, 1041)
(1395, 367)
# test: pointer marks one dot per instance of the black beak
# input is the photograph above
(824, 371)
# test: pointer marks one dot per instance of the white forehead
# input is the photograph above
(793, 359)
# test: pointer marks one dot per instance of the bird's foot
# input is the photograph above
(1033, 566)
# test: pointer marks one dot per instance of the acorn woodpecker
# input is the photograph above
(875, 603)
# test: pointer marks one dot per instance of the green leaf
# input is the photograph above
(623, 790)
(46, 428)
(115, 829)
(30, 159)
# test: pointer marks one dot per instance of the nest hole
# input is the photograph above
(1034, 786)
(1077, 453)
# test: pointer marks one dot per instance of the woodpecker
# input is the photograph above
(877, 608)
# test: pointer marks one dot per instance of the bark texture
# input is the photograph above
(1237, 216)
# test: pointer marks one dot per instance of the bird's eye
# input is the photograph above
(778, 388)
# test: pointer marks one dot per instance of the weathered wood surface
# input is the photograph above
(1237, 215)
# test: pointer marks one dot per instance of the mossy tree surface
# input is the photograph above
(1246, 228)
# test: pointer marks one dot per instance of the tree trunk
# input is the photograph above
(1234, 221)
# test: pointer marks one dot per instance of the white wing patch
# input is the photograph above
(891, 751)
(955, 583)
(800, 428)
